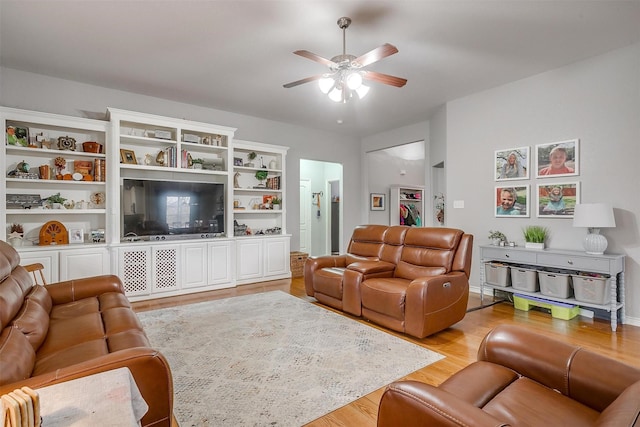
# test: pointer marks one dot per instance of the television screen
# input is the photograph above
(161, 208)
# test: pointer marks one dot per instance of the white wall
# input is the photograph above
(394, 137)
(597, 101)
(41, 93)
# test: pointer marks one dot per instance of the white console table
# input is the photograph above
(609, 264)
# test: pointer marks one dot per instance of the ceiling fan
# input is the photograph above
(346, 72)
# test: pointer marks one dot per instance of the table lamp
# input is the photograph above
(594, 216)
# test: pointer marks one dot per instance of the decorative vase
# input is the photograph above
(273, 164)
(496, 242)
(531, 245)
(276, 206)
(197, 165)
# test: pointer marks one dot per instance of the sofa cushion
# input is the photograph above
(626, 407)
(33, 321)
(65, 333)
(40, 295)
(70, 355)
(17, 357)
(75, 309)
(13, 290)
(385, 295)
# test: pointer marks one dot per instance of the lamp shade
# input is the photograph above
(593, 215)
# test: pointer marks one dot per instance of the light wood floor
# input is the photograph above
(458, 343)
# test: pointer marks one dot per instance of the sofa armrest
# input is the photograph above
(149, 369)
(435, 303)
(373, 267)
(77, 289)
(315, 263)
(411, 403)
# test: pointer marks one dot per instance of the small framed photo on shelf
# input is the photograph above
(511, 201)
(512, 163)
(377, 202)
(237, 161)
(128, 157)
(558, 200)
(76, 235)
(557, 159)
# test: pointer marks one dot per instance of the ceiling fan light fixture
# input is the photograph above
(335, 95)
(325, 84)
(354, 80)
(362, 91)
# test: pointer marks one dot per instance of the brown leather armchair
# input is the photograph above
(428, 289)
(521, 378)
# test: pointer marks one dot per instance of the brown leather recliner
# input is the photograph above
(411, 280)
(323, 274)
(521, 378)
(428, 289)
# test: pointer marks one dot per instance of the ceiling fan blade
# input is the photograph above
(303, 81)
(384, 78)
(376, 55)
(312, 56)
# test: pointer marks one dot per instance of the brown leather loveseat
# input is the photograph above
(62, 331)
(521, 378)
(411, 280)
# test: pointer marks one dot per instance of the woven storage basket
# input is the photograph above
(297, 263)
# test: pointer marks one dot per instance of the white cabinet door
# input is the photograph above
(165, 262)
(86, 262)
(220, 260)
(276, 256)
(194, 265)
(134, 269)
(48, 259)
(249, 256)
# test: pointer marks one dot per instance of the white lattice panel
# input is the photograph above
(165, 269)
(135, 268)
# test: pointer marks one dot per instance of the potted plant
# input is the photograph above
(497, 237)
(261, 175)
(197, 163)
(56, 201)
(276, 202)
(534, 236)
(251, 156)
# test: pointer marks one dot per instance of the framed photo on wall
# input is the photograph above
(511, 201)
(558, 159)
(557, 200)
(377, 201)
(512, 163)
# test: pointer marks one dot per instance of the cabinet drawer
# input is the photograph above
(575, 262)
(508, 255)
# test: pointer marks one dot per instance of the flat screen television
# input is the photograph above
(171, 208)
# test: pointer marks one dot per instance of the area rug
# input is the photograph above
(272, 359)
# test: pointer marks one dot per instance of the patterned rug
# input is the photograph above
(272, 359)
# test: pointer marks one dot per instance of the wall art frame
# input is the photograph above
(377, 201)
(556, 159)
(557, 200)
(512, 164)
(511, 201)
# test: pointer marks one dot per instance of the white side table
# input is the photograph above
(108, 398)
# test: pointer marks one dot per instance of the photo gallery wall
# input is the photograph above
(556, 193)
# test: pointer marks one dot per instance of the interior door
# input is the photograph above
(305, 216)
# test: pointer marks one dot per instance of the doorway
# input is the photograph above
(320, 208)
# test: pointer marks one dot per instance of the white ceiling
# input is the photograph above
(236, 55)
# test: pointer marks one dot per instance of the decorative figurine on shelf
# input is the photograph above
(235, 180)
(160, 158)
(16, 236)
(66, 143)
(148, 160)
(60, 163)
(189, 161)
